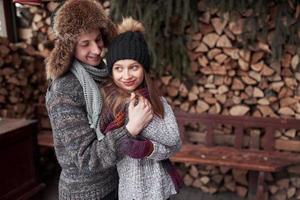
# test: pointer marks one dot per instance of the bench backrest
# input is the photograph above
(239, 124)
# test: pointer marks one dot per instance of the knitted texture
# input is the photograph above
(136, 147)
(133, 147)
(172, 171)
(88, 165)
(86, 75)
(128, 45)
(146, 178)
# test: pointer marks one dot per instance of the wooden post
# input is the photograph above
(239, 133)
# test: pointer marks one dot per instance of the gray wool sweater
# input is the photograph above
(88, 165)
(146, 179)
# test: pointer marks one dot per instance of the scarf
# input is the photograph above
(109, 123)
(87, 75)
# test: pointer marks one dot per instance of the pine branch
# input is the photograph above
(165, 22)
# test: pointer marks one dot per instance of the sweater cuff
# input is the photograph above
(120, 134)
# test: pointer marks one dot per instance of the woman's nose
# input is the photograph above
(127, 74)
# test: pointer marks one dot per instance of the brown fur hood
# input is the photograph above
(71, 19)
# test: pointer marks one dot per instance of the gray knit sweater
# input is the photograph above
(146, 179)
(88, 165)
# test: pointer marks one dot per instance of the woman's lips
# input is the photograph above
(129, 83)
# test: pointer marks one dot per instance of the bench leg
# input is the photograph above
(256, 185)
(260, 186)
(253, 180)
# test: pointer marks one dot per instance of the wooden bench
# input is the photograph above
(258, 159)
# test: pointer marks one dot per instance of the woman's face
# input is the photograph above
(128, 74)
(89, 47)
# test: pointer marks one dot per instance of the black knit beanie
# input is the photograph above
(128, 45)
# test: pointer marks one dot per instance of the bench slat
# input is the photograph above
(256, 160)
(294, 169)
(45, 139)
(245, 121)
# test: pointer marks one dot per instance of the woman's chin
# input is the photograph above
(129, 88)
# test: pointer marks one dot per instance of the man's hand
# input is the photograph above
(136, 148)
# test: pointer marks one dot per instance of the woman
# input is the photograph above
(144, 172)
(74, 103)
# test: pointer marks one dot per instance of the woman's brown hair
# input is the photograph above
(117, 98)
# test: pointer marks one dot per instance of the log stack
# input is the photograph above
(35, 26)
(231, 80)
(35, 23)
(22, 79)
(212, 179)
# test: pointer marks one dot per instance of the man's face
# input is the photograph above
(89, 47)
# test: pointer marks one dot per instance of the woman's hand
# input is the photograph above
(139, 113)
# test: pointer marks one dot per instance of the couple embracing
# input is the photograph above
(113, 133)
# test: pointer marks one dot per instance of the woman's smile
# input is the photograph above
(129, 83)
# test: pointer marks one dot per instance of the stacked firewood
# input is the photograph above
(22, 79)
(236, 81)
(228, 79)
(35, 23)
(213, 179)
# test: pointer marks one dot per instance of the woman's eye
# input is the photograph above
(135, 67)
(118, 69)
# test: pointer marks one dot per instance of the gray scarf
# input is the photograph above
(87, 75)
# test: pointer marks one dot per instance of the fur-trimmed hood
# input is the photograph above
(69, 21)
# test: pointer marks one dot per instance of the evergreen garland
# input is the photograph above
(165, 22)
